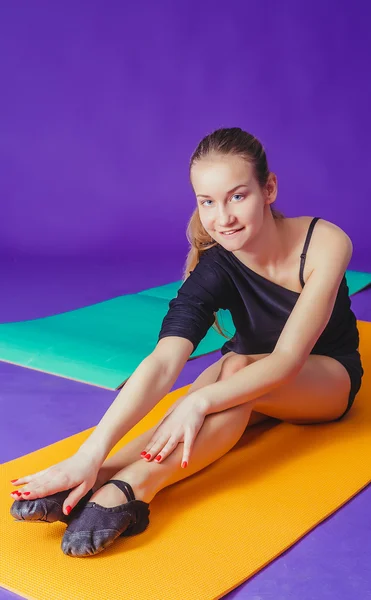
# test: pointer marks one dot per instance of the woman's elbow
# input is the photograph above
(173, 352)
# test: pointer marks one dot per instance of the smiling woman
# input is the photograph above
(294, 355)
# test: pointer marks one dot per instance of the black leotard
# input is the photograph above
(259, 309)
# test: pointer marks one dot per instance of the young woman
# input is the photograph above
(294, 355)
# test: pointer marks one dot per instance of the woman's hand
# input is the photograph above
(181, 423)
(78, 472)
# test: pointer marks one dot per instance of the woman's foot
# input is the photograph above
(109, 495)
(48, 509)
(96, 527)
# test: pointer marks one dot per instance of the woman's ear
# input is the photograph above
(271, 188)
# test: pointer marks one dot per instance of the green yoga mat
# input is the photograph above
(104, 343)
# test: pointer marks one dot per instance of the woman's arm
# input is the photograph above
(149, 383)
(302, 329)
(249, 383)
(152, 379)
(187, 321)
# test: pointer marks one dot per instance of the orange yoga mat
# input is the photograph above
(209, 532)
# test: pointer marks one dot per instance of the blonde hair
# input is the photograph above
(232, 141)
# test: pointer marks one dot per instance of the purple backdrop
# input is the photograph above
(101, 106)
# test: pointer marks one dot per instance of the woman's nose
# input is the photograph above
(225, 218)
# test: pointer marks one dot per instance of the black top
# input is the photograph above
(259, 307)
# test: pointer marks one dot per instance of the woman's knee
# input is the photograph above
(233, 363)
(229, 423)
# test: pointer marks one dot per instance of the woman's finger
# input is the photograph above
(167, 449)
(74, 497)
(28, 478)
(50, 482)
(153, 448)
(189, 439)
(21, 480)
(31, 493)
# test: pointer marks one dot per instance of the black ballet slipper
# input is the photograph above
(48, 509)
(96, 527)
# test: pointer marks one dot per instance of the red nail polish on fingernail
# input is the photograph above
(13, 480)
(148, 456)
(184, 464)
(158, 457)
(143, 453)
(68, 509)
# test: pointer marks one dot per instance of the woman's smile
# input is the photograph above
(231, 232)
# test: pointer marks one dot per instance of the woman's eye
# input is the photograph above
(234, 195)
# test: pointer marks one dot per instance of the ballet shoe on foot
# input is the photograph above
(96, 527)
(48, 509)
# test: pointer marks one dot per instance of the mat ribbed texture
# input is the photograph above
(209, 532)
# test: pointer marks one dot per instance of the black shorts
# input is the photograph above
(352, 363)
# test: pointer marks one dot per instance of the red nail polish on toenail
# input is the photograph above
(148, 456)
(26, 493)
(184, 464)
(158, 457)
(143, 453)
(68, 509)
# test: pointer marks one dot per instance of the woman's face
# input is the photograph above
(228, 198)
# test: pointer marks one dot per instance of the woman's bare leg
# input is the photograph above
(130, 453)
(218, 434)
(148, 478)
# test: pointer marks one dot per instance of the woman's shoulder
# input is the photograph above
(209, 260)
(328, 232)
(326, 237)
(323, 224)
(323, 229)
(211, 255)
(215, 263)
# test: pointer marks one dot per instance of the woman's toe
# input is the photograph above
(87, 543)
(48, 509)
(94, 528)
(36, 510)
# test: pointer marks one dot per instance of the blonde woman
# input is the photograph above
(294, 355)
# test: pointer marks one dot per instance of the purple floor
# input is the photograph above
(330, 562)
